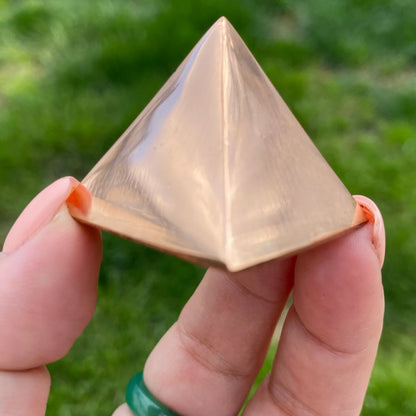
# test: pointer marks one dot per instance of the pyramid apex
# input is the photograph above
(222, 25)
(222, 21)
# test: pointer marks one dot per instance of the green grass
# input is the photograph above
(392, 391)
(73, 75)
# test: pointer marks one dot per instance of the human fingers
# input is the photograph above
(48, 279)
(206, 363)
(24, 393)
(331, 335)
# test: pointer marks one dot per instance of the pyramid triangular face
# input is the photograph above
(217, 169)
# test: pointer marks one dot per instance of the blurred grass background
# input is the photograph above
(74, 74)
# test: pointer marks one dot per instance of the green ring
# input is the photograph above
(142, 402)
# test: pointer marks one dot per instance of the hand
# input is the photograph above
(206, 363)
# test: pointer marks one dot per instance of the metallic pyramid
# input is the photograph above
(216, 168)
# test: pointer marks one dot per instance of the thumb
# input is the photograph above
(48, 279)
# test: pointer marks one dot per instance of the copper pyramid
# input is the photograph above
(217, 169)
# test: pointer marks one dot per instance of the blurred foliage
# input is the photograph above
(74, 74)
(393, 388)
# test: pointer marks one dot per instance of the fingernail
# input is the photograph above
(79, 198)
(375, 218)
(41, 210)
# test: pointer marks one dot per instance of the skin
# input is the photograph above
(206, 363)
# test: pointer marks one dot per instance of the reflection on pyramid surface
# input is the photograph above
(217, 169)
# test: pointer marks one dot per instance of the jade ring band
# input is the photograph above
(141, 402)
